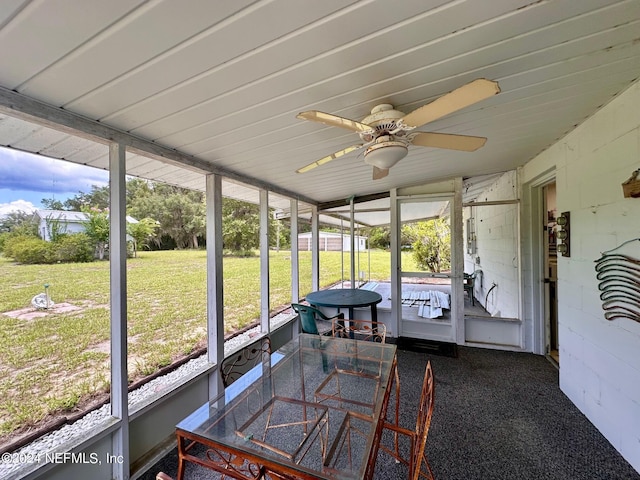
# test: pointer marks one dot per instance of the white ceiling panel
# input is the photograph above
(44, 33)
(219, 84)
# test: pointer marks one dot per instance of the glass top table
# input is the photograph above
(315, 410)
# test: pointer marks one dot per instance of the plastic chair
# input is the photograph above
(418, 465)
(313, 320)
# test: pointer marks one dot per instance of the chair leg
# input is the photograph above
(397, 416)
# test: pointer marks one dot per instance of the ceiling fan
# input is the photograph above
(387, 133)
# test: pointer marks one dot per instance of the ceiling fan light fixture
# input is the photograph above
(385, 155)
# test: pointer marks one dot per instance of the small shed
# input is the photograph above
(332, 241)
(68, 222)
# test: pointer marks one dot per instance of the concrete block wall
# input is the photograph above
(497, 249)
(599, 359)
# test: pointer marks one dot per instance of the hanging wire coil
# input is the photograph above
(619, 277)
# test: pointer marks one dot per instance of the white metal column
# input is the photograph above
(396, 287)
(295, 260)
(457, 264)
(215, 291)
(352, 255)
(264, 261)
(315, 249)
(118, 305)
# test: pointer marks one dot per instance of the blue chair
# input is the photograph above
(313, 320)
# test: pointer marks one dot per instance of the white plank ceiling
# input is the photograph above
(222, 81)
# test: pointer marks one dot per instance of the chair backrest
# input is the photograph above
(471, 277)
(360, 330)
(240, 362)
(423, 422)
(307, 317)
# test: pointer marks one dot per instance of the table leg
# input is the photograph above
(351, 316)
(374, 319)
(181, 452)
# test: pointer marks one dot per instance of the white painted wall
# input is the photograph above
(496, 254)
(599, 359)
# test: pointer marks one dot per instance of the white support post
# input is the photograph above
(264, 261)
(352, 253)
(396, 285)
(295, 260)
(118, 305)
(457, 264)
(341, 252)
(315, 249)
(215, 292)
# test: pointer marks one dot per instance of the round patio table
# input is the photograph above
(346, 298)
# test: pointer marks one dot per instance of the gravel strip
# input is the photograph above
(64, 438)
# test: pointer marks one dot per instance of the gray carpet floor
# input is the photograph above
(498, 415)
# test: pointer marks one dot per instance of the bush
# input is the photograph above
(3, 238)
(30, 250)
(77, 247)
(10, 240)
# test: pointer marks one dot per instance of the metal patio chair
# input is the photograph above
(418, 465)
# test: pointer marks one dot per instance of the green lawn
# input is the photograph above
(52, 363)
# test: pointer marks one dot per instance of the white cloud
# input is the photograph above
(15, 206)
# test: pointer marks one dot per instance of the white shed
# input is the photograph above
(68, 222)
(332, 241)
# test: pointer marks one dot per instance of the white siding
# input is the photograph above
(599, 359)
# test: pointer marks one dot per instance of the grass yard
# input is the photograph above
(53, 363)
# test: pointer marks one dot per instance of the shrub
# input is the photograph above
(31, 250)
(77, 247)
(10, 240)
(3, 238)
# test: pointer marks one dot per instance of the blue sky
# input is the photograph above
(25, 179)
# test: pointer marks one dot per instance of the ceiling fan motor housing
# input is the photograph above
(383, 119)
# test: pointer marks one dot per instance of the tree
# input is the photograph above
(179, 212)
(97, 228)
(432, 244)
(240, 225)
(52, 204)
(142, 232)
(98, 198)
(379, 237)
(19, 223)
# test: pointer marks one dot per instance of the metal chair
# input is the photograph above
(313, 320)
(469, 283)
(418, 465)
(359, 330)
(240, 362)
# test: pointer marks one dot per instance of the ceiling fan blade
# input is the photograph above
(328, 158)
(379, 173)
(334, 121)
(465, 143)
(464, 96)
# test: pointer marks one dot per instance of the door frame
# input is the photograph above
(534, 275)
